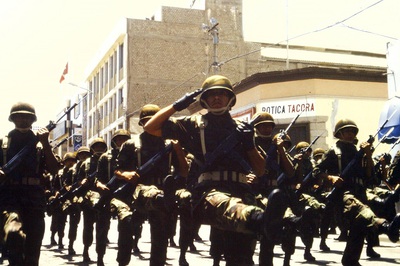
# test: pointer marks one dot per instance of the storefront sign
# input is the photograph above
(288, 109)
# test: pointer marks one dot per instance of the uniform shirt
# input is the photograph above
(217, 129)
(31, 165)
(128, 158)
(329, 164)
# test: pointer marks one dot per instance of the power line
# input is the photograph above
(341, 22)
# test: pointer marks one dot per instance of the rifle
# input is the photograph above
(335, 192)
(19, 157)
(225, 148)
(394, 144)
(61, 142)
(127, 189)
(106, 195)
(270, 158)
(282, 178)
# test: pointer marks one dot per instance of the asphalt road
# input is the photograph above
(51, 255)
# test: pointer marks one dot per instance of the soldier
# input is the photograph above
(105, 171)
(71, 204)
(148, 195)
(226, 152)
(59, 216)
(22, 196)
(87, 176)
(349, 193)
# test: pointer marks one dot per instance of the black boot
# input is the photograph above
(53, 242)
(60, 243)
(71, 251)
(273, 215)
(372, 253)
(393, 229)
(85, 255)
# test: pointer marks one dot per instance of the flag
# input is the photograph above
(65, 72)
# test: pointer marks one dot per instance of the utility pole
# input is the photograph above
(213, 30)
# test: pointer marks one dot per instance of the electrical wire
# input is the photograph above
(341, 22)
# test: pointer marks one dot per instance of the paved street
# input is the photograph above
(52, 256)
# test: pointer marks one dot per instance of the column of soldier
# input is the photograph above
(209, 169)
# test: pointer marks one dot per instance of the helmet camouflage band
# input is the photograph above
(22, 108)
(98, 141)
(217, 82)
(121, 132)
(147, 112)
(345, 123)
(69, 156)
(301, 145)
(83, 149)
(318, 151)
(262, 118)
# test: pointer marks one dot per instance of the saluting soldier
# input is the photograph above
(227, 155)
(22, 196)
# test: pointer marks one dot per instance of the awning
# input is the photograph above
(391, 113)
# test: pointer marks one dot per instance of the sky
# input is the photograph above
(39, 37)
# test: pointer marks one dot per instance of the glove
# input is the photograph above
(246, 135)
(186, 100)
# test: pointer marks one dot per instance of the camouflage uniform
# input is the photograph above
(222, 197)
(351, 201)
(87, 173)
(22, 196)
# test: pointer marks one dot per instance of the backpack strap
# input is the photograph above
(5, 144)
(338, 153)
(138, 147)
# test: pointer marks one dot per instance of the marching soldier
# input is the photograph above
(148, 195)
(226, 152)
(59, 216)
(349, 193)
(105, 172)
(87, 176)
(22, 196)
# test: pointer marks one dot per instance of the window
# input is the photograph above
(120, 97)
(106, 73)
(101, 77)
(298, 132)
(121, 55)
(115, 62)
(111, 67)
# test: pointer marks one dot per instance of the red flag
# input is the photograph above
(65, 72)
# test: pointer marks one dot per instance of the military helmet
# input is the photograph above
(147, 112)
(98, 141)
(22, 108)
(318, 151)
(121, 132)
(345, 123)
(262, 118)
(83, 149)
(302, 145)
(69, 156)
(217, 82)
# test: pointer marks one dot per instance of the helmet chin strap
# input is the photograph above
(219, 111)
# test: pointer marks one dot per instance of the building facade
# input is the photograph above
(158, 60)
